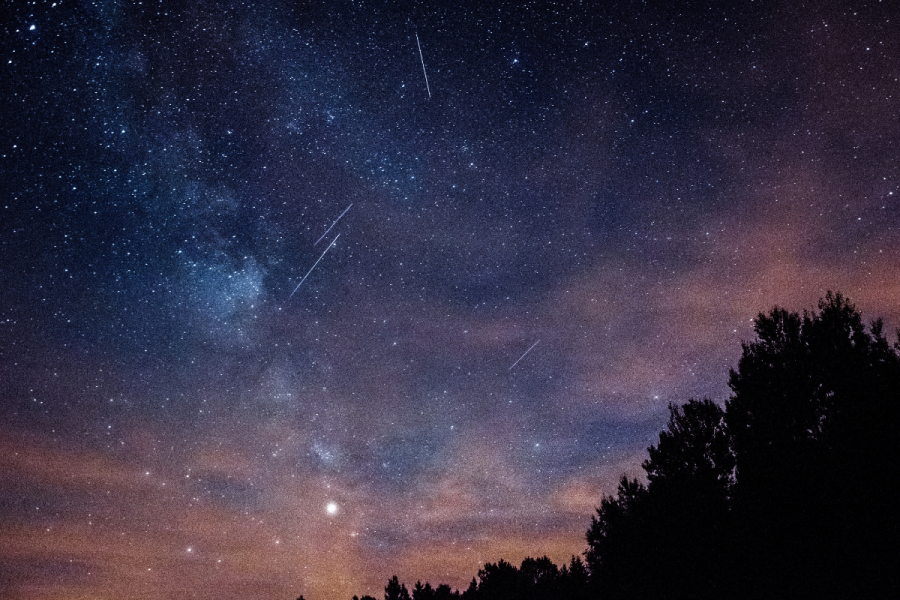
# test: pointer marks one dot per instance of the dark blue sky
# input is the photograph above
(625, 186)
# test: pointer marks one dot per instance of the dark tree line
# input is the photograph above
(786, 492)
(535, 579)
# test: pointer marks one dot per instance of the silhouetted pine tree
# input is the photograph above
(395, 590)
(573, 581)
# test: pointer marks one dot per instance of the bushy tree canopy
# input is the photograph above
(782, 494)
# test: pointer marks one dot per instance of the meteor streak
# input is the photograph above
(428, 87)
(314, 264)
(332, 225)
(523, 356)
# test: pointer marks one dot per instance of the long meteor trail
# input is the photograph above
(428, 87)
(523, 356)
(314, 265)
(332, 225)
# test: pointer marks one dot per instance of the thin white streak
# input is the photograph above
(422, 58)
(332, 225)
(523, 356)
(314, 265)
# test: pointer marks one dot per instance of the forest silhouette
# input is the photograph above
(783, 493)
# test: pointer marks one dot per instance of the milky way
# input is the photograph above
(629, 185)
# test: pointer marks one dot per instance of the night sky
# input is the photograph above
(510, 269)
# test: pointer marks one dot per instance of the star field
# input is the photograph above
(277, 317)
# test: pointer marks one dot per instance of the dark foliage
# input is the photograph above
(535, 579)
(426, 592)
(676, 526)
(783, 494)
(813, 417)
(395, 590)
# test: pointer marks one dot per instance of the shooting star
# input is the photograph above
(428, 87)
(332, 225)
(523, 356)
(314, 265)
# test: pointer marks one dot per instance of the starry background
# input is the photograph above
(624, 186)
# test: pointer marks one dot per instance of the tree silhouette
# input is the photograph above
(573, 582)
(694, 451)
(498, 581)
(471, 592)
(536, 579)
(617, 541)
(813, 416)
(539, 578)
(443, 592)
(395, 590)
(690, 474)
(421, 592)
(785, 493)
